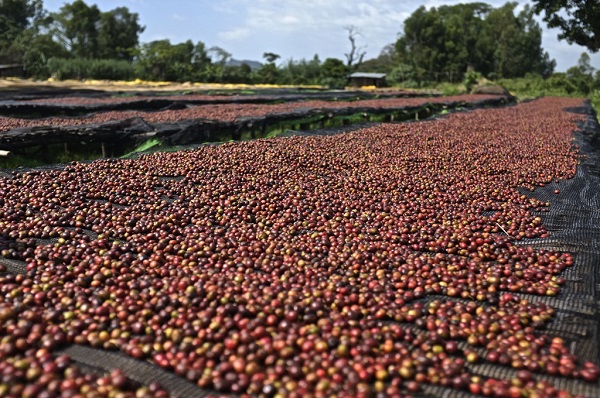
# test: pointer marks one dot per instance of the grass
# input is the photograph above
(14, 161)
(596, 101)
(525, 88)
(148, 144)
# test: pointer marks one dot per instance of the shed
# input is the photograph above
(13, 70)
(360, 79)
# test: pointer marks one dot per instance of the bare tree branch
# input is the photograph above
(356, 55)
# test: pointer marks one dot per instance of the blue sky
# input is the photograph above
(294, 29)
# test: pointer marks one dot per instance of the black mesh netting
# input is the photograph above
(101, 361)
(573, 225)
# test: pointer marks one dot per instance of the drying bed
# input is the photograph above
(76, 105)
(394, 260)
(216, 122)
(231, 112)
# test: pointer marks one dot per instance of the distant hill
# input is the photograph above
(252, 64)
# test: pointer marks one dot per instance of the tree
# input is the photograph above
(238, 74)
(514, 43)
(443, 43)
(584, 64)
(384, 63)
(268, 73)
(578, 20)
(89, 33)
(415, 46)
(161, 60)
(77, 27)
(271, 57)
(119, 34)
(334, 73)
(356, 54)
(301, 72)
(216, 71)
(16, 16)
(582, 75)
(402, 73)
(221, 55)
(200, 58)
(33, 48)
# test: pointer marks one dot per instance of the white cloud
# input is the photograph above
(319, 21)
(235, 34)
(177, 17)
(301, 28)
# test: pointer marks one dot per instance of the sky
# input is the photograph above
(296, 29)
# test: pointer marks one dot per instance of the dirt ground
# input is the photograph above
(15, 86)
(12, 87)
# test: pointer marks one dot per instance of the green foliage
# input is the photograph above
(145, 146)
(301, 72)
(89, 33)
(384, 63)
(515, 42)
(582, 75)
(118, 34)
(271, 57)
(161, 60)
(441, 44)
(471, 79)
(450, 88)
(17, 17)
(577, 20)
(267, 74)
(238, 74)
(559, 84)
(76, 27)
(14, 161)
(401, 74)
(85, 68)
(334, 73)
(34, 50)
(595, 97)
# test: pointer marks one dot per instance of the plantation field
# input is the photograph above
(425, 258)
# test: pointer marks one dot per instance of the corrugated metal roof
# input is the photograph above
(368, 75)
(10, 66)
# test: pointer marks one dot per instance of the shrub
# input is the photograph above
(595, 97)
(85, 68)
(471, 79)
(560, 84)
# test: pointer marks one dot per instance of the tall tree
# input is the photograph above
(77, 27)
(269, 73)
(578, 20)
(443, 43)
(301, 72)
(419, 46)
(33, 47)
(514, 42)
(271, 57)
(334, 73)
(356, 55)
(582, 75)
(200, 57)
(384, 63)
(221, 56)
(119, 32)
(16, 16)
(161, 60)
